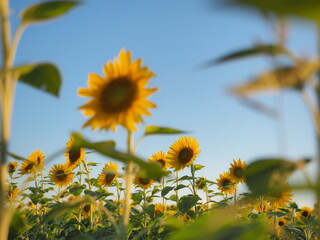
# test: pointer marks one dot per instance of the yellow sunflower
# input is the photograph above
(143, 182)
(282, 222)
(60, 175)
(27, 167)
(38, 158)
(183, 152)
(279, 197)
(306, 212)
(226, 184)
(237, 169)
(161, 158)
(12, 192)
(74, 155)
(108, 175)
(120, 97)
(12, 167)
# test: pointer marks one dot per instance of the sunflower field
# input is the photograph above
(136, 198)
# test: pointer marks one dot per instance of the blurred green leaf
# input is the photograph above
(77, 190)
(279, 79)
(198, 167)
(45, 11)
(149, 209)
(151, 130)
(166, 190)
(44, 76)
(17, 157)
(187, 202)
(18, 225)
(307, 9)
(270, 49)
(180, 186)
(153, 170)
(277, 214)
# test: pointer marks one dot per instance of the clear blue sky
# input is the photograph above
(173, 38)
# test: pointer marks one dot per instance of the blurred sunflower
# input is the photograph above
(305, 211)
(12, 192)
(160, 208)
(12, 167)
(237, 170)
(161, 158)
(38, 158)
(85, 209)
(262, 206)
(119, 98)
(183, 152)
(143, 182)
(108, 175)
(60, 175)
(279, 197)
(74, 155)
(226, 184)
(282, 222)
(26, 167)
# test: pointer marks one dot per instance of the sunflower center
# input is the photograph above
(238, 172)
(144, 181)
(61, 175)
(29, 166)
(118, 95)
(74, 154)
(226, 183)
(110, 177)
(305, 213)
(87, 208)
(185, 155)
(161, 162)
(280, 223)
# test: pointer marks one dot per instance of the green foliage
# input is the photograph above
(152, 130)
(46, 11)
(187, 202)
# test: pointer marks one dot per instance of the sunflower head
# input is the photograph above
(306, 212)
(143, 182)
(60, 175)
(282, 222)
(237, 170)
(160, 158)
(12, 167)
(27, 167)
(74, 155)
(37, 157)
(108, 175)
(279, 197)
(183, 152)
(120, 97)
(226, 184)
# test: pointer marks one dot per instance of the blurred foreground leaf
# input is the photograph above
(151, 130)
(18, 225)
(46, 11)
(44, 76)
(153, 170)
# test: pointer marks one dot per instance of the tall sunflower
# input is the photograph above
(183, 152)
(74, 155)
(27, 167)
(60, 175)
(279, 197)
(108, 175)
(161, 158)
(237, 170)
(120, 97)
(226, 184)
(143, 182)
(37, 157)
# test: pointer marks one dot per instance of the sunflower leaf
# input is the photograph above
(46, 11)
(180, 186)
(151, 130)
(166, 190)
(44, 76)
(198, 167)
(153, 170)
(187, 202)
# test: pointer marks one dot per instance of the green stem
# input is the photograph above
(318, 141)
(194, 187)
(177, 184)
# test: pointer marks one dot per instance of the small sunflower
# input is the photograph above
(12, 192)
(237, 170)
(60, 175)
(108, 175)
(262, 206)
(86, 209)
(282, 222)
(27, 167)
(12, 167)
(143, 182)
(279, 197)
(306, 212)
(38, 158)
(119, 98)
(183, 152)
(74, 155)
(161, 158)
(226, 184)
(159, 207)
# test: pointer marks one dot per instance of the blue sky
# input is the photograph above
(173, 38)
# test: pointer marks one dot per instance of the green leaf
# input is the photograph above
(151, 130)
(166, 190)
(198, 167)
(17, 157)
(46, 11)
(306, 9)
(293, 77)
(187, 202)
(18, 225)
(277, 214)
(270, 49)
(76, 191)
(149, 209)
(44, 76)
(152, 170)
(180, 186)
(173, 197)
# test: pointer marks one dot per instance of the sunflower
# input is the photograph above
(305, 211)
(60, 175)
(74, 155)
(161, 158)
(12, 192)
(38, 158)
(262, 206)
(27, 167)
(160, 208)
(143, 182)
(108, 175)
(119, 98)
(237, 169)
(282, 222)
(226, 184)
(12, 167)
(279, 197)
(183, 152)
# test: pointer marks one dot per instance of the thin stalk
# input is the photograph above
(80, 215)
(177, 183)
(144, 204)
(194, 187)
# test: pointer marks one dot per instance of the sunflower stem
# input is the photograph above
(194, 187)
(80, 216)
(177, 184)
